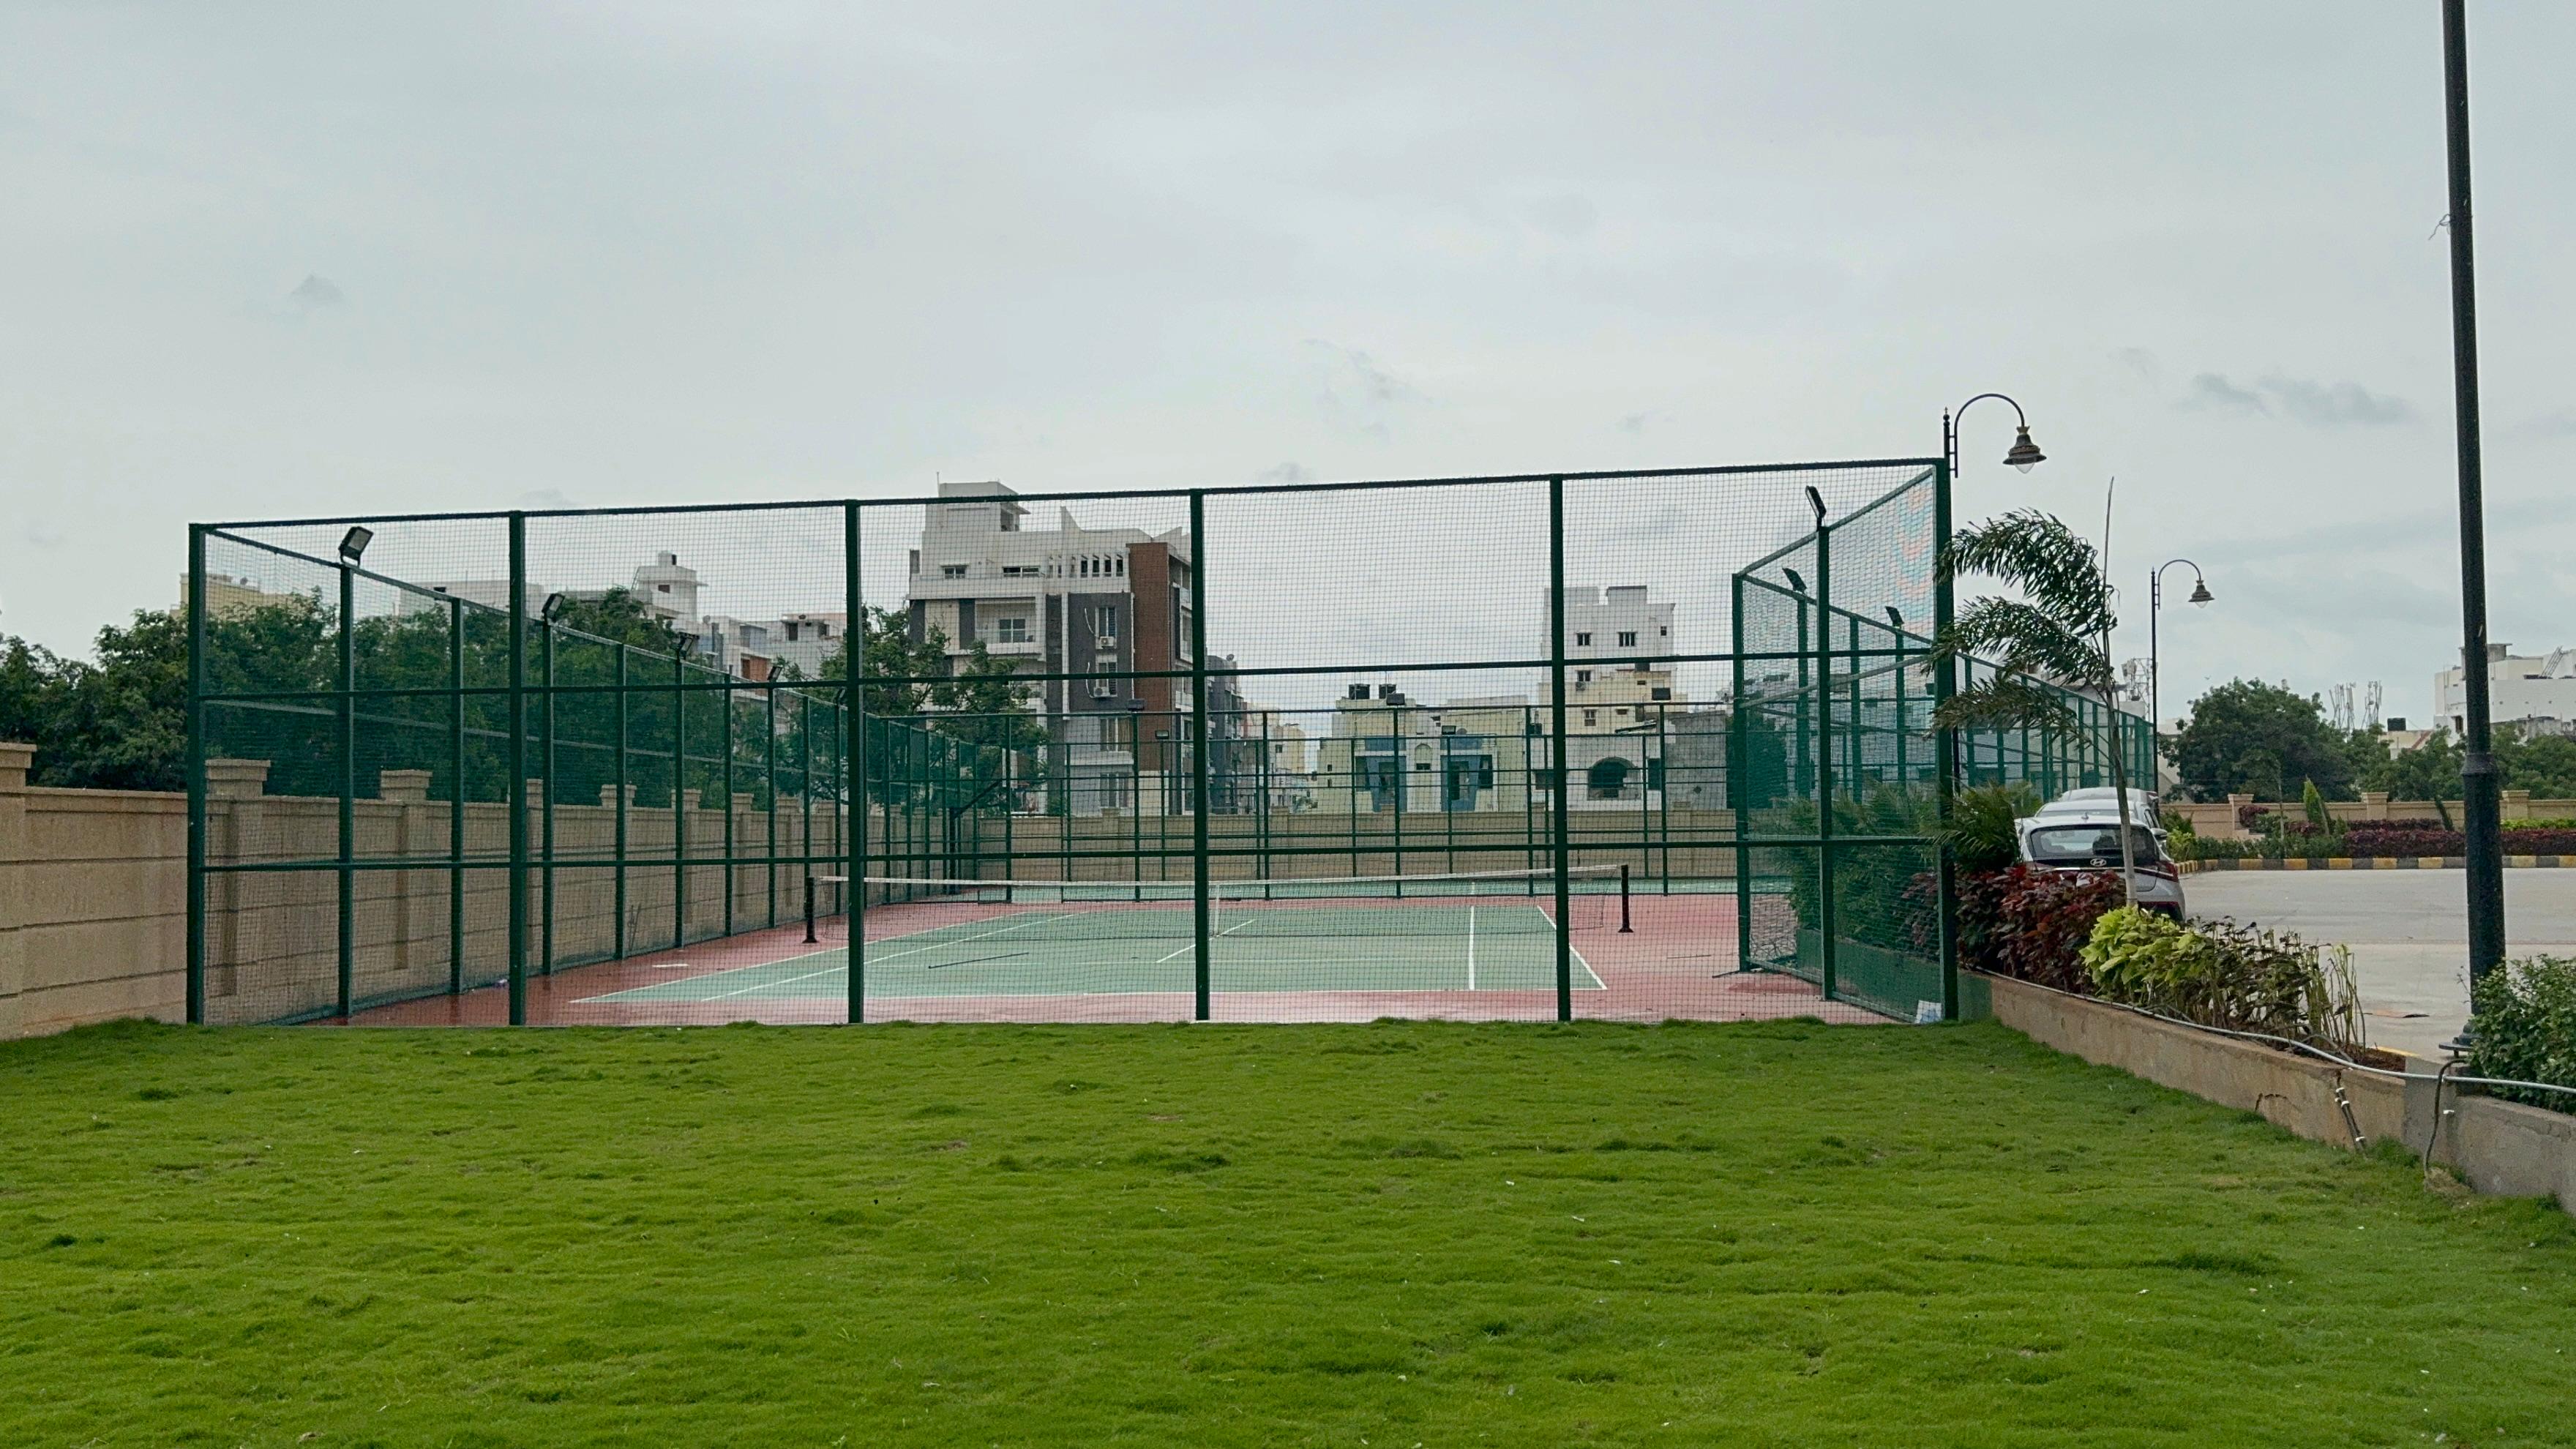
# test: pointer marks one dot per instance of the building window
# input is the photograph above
(1592, 716)
(1627, 638)
(1660, 694)
(1583, 676)
(1012, 630)
(1583, 640)
(1104, 623)
(1607, 779)
(952, 571)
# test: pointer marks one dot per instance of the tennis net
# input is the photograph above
(1494, 903)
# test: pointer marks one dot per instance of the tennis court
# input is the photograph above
(1493, 932)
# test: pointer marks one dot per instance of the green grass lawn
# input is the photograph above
(1393, 1234)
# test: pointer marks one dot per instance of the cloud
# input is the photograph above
(45, 533)
(2142, 363)
(2301, 400)
(543, 498)
(1355, 388)
(1291, 471)
(1638, 422)
(2560, 424)
(317, 293)
(1568, 217)
(2210, 390)
(2337, 405)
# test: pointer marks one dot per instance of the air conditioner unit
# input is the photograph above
(1104, 691)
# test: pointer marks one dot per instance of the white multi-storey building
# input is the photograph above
(1614, 639)
(2535, 694)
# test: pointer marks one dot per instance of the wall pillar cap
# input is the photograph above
(236, 779)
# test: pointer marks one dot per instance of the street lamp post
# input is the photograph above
(2023, 454)
(2200, 597)
(2479, 804)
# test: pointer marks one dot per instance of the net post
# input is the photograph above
(1944, 740)
(196, 927)
(518, 754)
(347, 956)
(456, 798)
(729, 810)
(854, 764)
(1825, 923)
(1199, 752)
(1624, 928)
(809, 908)
(1558, 818)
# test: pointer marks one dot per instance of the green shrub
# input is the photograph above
(2522, 1024)
(1981, 833)
(2225, 975)
(2313, 801)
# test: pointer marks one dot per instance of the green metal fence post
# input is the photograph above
(1199, 749)
(546, 802)
(518, 755)
(348, 954)
(1825, 756)
(196, 774)
(728, 803)
(769, 785)
(1739, 793)
(1944, 740)
(1560, 782)
(679, 802)
(456, 798)
(854, 710)
(625, 748)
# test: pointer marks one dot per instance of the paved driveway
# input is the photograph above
(2407, 930)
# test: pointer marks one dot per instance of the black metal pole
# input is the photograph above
(518, 758)
(2479, 783)
(1202, 922)
(1560, 765)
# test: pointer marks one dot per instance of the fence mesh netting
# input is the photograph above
(1627, 746)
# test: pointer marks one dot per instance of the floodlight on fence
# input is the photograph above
(1895, 620)
(353, 544)
(1796, 584)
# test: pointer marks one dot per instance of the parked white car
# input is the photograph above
(2144, 808)
(2085, 835)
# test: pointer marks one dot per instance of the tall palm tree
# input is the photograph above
(2058, 632)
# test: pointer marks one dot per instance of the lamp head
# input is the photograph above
(1816, 501)
(353, 544)
(2200, 594)
(1895, 620)
(1796, 583)
(2024, 454)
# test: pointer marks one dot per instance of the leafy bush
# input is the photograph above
(2225, 975)
(1981, 833)
(2029, 924)
(2522, 1024)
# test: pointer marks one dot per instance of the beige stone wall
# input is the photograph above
(2217, 819)
(93, 884)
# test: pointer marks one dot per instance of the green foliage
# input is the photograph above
(1981, 836)
(2522, 1026)
(2248, 737)
(1876, 899)
(2315, 806)
(2224, 975)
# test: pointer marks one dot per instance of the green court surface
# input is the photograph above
(1045, 950)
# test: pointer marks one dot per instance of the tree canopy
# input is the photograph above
(2248, 737)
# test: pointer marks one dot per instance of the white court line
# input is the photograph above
(1185, 950)
(1471, 948)
(906, 951)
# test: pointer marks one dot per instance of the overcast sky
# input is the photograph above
(276, 260)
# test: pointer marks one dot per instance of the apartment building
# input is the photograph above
(1087, 610)
(1615, 639)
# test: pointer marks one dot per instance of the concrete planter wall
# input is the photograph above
(2499, 1147)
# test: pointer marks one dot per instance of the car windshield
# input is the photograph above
(2090, 845)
